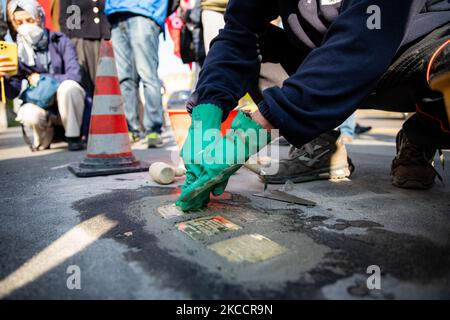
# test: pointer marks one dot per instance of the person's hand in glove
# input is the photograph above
(205, 117)
(222, 159)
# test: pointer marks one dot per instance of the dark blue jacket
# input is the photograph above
(64, 65)
(344, 57)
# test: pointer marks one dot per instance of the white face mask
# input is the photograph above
(30, 32)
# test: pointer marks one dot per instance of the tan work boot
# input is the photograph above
(323, 158)
(413, 167)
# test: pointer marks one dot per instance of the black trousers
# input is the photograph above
(88, 53)
(403, 88)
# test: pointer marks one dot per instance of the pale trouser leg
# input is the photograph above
(126, 70)
(36, 118)
(70, 99)
(348, 126)
(144, 47)
(212, 22)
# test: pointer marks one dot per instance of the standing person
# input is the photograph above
(339, 55)
(45, 54)
(86, 37)
(135, 35)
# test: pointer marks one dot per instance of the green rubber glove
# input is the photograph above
(224, 158)
(204, 117)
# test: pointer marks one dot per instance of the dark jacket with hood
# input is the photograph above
(343, 61)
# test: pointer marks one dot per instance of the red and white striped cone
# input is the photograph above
(109, 147)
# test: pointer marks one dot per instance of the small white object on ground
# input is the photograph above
(163, 173)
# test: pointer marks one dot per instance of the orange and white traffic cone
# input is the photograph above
(109, 147)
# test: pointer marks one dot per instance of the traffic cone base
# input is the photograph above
(109, 146)
(93, 167)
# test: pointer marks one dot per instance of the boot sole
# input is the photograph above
(412, 184)
(441, 83)
(322, 174)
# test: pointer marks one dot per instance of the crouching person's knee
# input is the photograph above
(72, 91)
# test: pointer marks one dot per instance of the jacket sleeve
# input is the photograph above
(72, 69)
(13, 86)
(233, 62)
(335, 78)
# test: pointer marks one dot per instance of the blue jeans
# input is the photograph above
(348, 126)
(135, 41)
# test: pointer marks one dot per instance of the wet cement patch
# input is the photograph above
(316, 257)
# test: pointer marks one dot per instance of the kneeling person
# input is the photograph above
(336, 61)
(43, 53)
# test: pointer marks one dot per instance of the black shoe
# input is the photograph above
(361, 129)
(323, 158)
(283, 142)
(413, 167)
(75, 144)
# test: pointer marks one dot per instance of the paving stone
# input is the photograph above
(248, 248)
(170, 211)
(204, 228)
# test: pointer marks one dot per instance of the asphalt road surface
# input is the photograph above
(63, 237)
